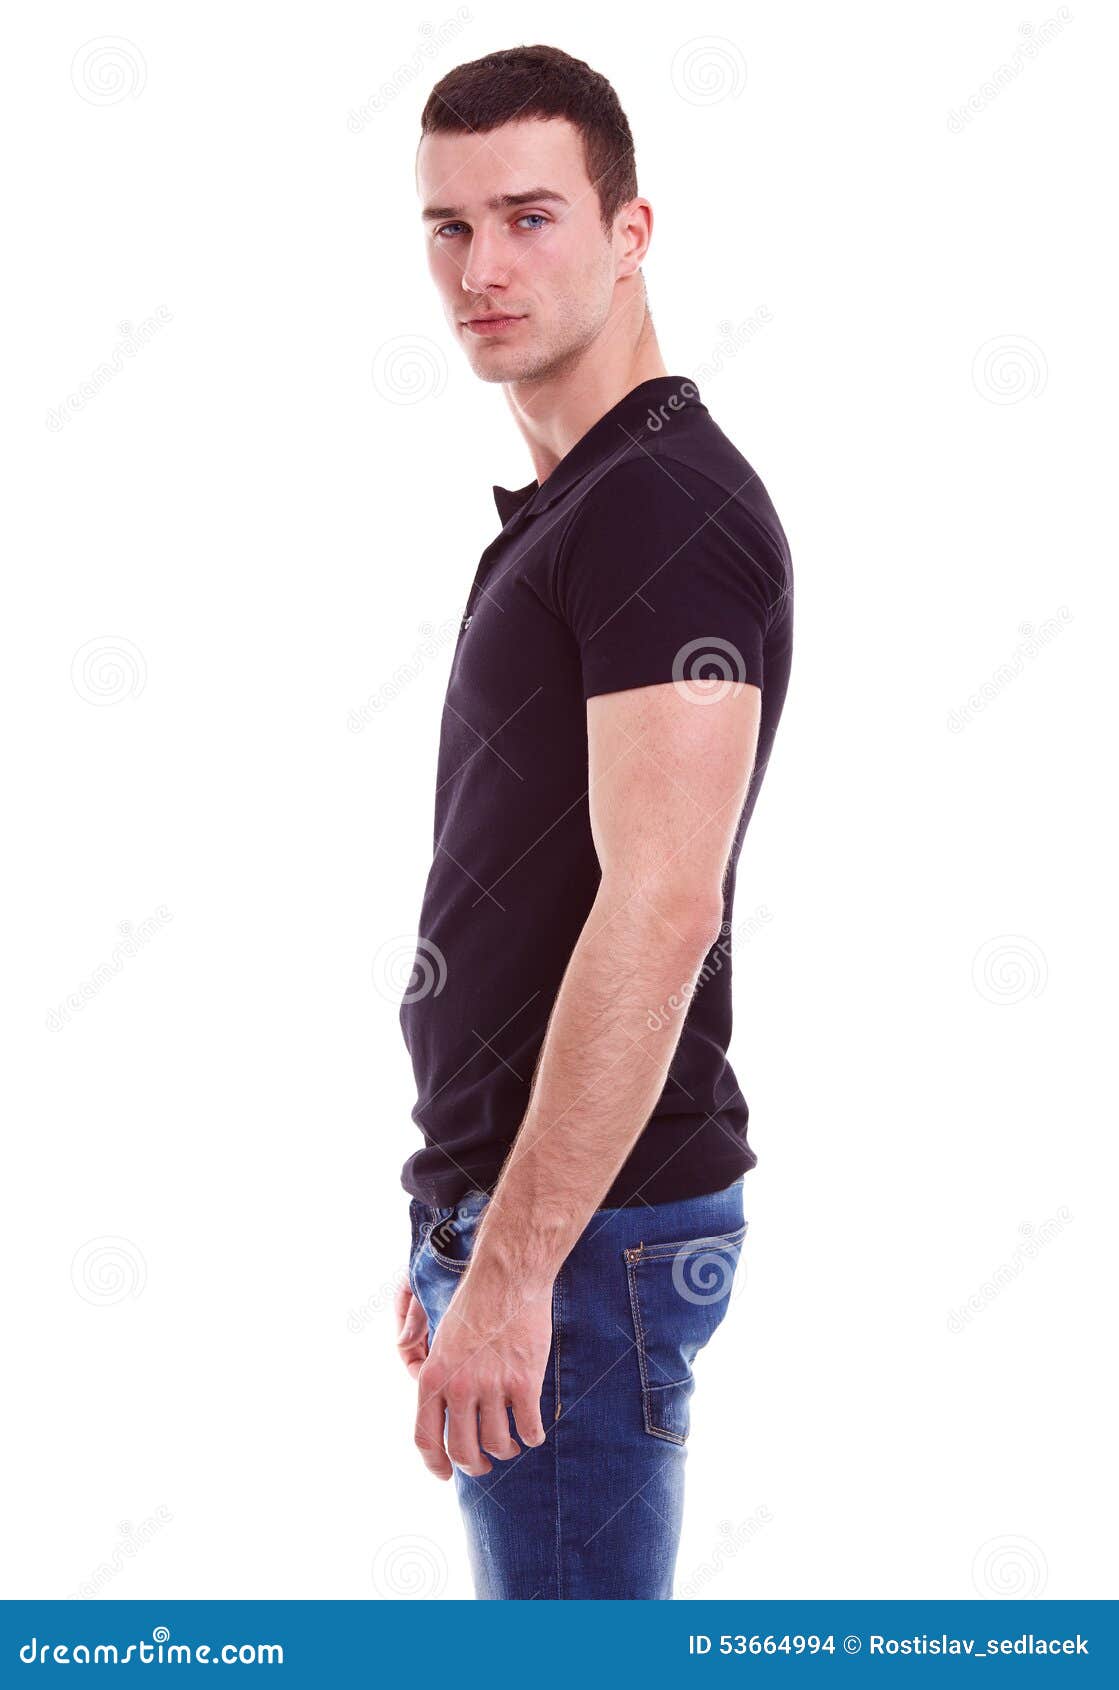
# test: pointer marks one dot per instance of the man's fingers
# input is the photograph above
(497, 1439)
(526, 1412)
(429, 1431)
(411, 1341)
(462, 1437)
(413, 1322)
(413, 1356)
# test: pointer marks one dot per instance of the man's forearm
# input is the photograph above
(602, 1068)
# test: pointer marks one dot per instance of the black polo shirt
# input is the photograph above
(651, 553)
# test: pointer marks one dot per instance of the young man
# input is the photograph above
(618, 677)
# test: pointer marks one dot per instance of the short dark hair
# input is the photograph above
(544, 82)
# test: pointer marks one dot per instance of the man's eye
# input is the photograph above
(443, 228)
(536, 217)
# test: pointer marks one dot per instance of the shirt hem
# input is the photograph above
(633, 1188)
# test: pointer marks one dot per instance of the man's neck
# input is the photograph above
(554, 412)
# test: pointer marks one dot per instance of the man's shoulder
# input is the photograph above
(689, 471)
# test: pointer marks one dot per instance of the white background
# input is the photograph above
(261, 513)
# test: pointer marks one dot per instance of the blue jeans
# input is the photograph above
(595, 1510)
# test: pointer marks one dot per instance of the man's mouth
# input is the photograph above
(489, 324)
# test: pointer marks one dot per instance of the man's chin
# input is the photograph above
(494, 374)
(492, 365)
(514, 366)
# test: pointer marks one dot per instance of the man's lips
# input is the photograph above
(490, 325)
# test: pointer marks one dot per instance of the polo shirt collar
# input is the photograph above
(508, 503)
(639, 416)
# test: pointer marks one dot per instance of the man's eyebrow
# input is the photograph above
(499, 202)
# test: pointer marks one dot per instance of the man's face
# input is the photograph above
(513, 233)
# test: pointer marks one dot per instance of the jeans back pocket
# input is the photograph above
(678, 1293)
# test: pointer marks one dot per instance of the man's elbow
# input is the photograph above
(699, 922)
(685, 920)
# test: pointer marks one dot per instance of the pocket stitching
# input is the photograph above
(719, 1241)
(646, 1388)
(443, 1217)
(446, 1261)
(652, 1252)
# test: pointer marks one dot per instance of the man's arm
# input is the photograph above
(668, 770)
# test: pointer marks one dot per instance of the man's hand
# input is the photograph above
(490, 1354)
(411, 1339)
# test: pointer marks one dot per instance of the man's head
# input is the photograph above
(529, 194)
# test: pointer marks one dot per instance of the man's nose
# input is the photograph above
(487, 265)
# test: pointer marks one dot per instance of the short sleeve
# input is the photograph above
(662, 576)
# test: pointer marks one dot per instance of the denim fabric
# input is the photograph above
(595, 1511)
